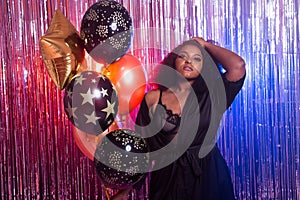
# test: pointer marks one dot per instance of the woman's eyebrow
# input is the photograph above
(198, 55)
(183, 51)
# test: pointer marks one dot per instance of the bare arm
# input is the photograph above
(233, 63)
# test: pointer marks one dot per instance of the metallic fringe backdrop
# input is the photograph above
(259, 135)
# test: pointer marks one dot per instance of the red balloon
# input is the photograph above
(87, 143)
(128, 77)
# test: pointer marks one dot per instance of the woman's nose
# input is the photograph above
(188, 61)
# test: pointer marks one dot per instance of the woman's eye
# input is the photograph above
(182, 56)
(197, 59)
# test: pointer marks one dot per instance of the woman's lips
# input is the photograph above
(187, 68)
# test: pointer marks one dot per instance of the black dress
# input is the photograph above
(179, 173)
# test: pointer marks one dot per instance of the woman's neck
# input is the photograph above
(185, 86)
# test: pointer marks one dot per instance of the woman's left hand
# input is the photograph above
(200, 40)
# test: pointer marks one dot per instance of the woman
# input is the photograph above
(180, 119)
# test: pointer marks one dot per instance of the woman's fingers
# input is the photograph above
(200, 40)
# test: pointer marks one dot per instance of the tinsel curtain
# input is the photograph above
(259, 134)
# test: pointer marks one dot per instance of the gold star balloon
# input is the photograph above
(62, 50)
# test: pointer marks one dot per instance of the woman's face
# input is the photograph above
(189, 62)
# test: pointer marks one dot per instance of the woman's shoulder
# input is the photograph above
(152, 97)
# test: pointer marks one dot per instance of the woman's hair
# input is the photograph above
(167, 76)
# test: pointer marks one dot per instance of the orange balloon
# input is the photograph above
(128, 77)
(87, 143)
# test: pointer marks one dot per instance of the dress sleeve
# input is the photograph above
(232, 88)
(223, 96)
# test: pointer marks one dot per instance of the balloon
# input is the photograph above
(121, 160)
(91, 102)
(87, 143)
(62, 50)
(128, 76)
(106, 29)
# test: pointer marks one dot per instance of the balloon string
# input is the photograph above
(106, 192)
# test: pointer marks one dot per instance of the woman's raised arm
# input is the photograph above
(233, 63)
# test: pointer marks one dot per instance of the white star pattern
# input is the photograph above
(118, 17)
(118, 42)
(71, 111)
(92, 15)
(87, 97)
(109, 121)
(69, 94)
(103, 92)
(109, 109)
(92, 118)
(89, 104)
(102, 30)
(102, 76)
(79, 80)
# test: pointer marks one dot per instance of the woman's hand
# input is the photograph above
(233, 63)
(200, 40)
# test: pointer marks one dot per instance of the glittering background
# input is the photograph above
(260, 136)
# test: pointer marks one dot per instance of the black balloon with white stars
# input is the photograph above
(121, 159)
(91, 102)
(106, 29)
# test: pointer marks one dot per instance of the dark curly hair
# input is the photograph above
(166, 76)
